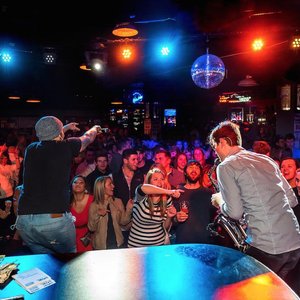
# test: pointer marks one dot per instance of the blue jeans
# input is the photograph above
(43, 234)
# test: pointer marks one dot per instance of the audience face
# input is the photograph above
(102, 163)
(288, 169)
(149, 154)
(140, 156)
(109, 187)
(132, 162)
(13, 150)
(185, 145)
(161, 158)
(281, 143)
(78, 185)
(297, 180)
(289, 143)
(179, 145)
(157, 179)
(261, 147)
(90, 157)
(109, 155)
(199, 156)
(189, 155)
(181, 161)
(3, 160)
(193, 173)
(197, 143)
(79, 158)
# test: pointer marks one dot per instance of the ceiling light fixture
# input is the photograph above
(295, 44)
(14, 97)
(84, 67)
(49, 56)
(248, 82)
(125, 29)
(33, 100)
(128, 29)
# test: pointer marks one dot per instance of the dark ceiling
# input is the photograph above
(224, 28)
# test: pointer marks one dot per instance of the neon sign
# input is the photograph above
(234, 97)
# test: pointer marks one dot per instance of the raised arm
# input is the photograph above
(89, 136)
(71, 126)
(150, 189)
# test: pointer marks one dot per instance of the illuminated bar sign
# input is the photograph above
(234, 97)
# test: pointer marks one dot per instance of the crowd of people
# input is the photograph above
(74, 191)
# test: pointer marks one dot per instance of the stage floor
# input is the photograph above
(187, 271)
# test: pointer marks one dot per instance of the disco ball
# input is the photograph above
(208, 71)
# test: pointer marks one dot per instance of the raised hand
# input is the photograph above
(176, 193)
(171, 211)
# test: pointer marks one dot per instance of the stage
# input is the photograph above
(187, 271)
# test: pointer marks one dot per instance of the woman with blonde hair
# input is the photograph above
(152, 211)
(107, 214)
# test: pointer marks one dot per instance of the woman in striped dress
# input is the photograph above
(152, 211)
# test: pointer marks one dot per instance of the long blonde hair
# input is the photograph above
(163, 198)
(99, 189)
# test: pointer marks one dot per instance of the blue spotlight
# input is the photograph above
(6, 57)
(165, 51)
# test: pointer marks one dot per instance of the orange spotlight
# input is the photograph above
(258, 44)
(126, 53)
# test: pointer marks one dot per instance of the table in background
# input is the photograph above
(187, 271)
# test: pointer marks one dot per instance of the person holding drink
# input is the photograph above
(193, 207)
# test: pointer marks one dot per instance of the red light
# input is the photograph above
(257, 44)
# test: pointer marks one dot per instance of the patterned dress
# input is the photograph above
(146, 230)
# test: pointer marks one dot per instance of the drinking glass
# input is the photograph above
(184, 206)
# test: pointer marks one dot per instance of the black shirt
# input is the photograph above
(201, 213)
(47, 167)
(91, 178)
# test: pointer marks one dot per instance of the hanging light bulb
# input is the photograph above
(125, 29)
(248, 82)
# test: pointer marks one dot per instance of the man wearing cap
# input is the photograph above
(44, 220)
